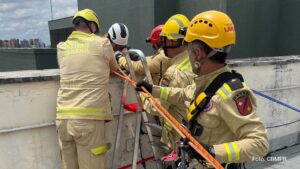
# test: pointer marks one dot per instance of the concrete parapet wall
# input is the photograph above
(28, 137)
(27, 59)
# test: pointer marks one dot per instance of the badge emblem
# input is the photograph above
(208, 106)
(243, 103)
(164, 83)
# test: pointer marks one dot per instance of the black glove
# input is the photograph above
(193, 154)
(118, 55)
(144, 84)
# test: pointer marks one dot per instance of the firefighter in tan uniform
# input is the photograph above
(118, 34)
(178, 74)
(83, 104)
(155, 62)
(231, 130)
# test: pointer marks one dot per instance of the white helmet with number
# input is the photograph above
(119, 34)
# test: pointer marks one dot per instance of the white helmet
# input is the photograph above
(118, 34)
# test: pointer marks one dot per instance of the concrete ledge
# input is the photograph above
(29, 76)
(261, 61)
(53, 74)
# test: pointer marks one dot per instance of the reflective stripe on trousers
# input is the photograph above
(99, 150)
(78, 111)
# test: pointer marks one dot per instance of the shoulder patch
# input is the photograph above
(166, 78)
(243, 103)
(164, 83)
(235, 84)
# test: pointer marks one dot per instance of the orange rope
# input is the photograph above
(176, 125)
(124, 76)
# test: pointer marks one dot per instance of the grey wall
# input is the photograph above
(264, 28)
(256, 24)
(60, 29)
(61, 23)
(141, 16)
(190, 8)
(137, 15)
(164, 9)
(289, 27)
(27, 59)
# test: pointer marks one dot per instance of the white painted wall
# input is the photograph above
(25, 104)
(278, 78)
(33, 103)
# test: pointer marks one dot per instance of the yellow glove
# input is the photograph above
(143, 97)
(122, 62)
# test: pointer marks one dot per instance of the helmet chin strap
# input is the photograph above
(225, 49)
(165, 47)
(88, 25)
(211, 53)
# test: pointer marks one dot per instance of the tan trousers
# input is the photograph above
(77, 139)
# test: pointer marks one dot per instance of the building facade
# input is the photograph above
(263, 28)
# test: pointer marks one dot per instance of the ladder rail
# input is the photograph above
(116, 153)
(140, 114)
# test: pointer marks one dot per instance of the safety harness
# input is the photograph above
(233, 79)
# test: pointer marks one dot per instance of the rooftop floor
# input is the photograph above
(288, 158)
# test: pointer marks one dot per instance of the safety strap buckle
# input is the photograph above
(197, 105)
(182, 31)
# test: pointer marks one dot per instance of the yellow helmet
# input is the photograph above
(213, 28)
(88, 15)
(172, 27)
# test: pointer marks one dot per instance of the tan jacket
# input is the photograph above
(230, 122)
(153, 64)
(85, 62)
(178, 74)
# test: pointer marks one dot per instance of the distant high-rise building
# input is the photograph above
(5, 44)
(25, 43)
(16, 43)
(31, 42)
(10, 44)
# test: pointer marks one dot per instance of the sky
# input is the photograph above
(27, 19)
